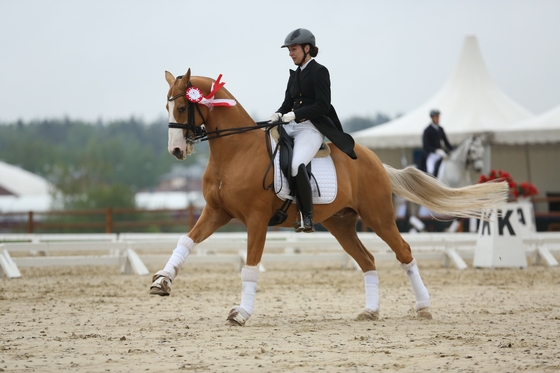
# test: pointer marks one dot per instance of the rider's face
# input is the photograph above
(435, 119)
(296, 53)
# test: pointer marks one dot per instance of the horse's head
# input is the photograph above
(475, 156)
(186, 118)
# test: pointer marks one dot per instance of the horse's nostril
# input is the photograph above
(177, 153)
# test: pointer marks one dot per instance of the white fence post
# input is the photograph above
(7, 265)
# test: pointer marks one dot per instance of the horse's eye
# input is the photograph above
(182, 109)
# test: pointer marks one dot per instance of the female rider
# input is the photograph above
(308, 116)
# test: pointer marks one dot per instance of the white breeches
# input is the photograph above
(307, 141)
(431, 161)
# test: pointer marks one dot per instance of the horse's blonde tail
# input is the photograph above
(470, 201)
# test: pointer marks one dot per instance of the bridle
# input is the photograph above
(199, 132)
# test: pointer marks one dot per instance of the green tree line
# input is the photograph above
(99, 165)
(102, 165)
(92, 165)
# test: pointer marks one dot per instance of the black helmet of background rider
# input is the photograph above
(302, 37)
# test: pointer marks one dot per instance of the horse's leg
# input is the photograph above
(387, 230)
(210, 220)
(256, 236)
(381, 219)
(343, 227)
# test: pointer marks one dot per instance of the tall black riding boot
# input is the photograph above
(304, 201)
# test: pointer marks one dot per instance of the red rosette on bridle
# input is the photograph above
(194, 94)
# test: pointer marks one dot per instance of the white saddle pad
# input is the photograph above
(324, 171)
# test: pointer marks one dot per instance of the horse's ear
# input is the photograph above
(170, 78)
(185, 80)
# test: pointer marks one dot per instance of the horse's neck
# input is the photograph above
(459, 154)
(454, 174)
(231, 146)
(453, 171)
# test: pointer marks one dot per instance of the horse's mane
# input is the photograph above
(460, 151)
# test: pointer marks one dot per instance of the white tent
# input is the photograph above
(530, 151)
(522, 144)
(19, 182)
(544, 128)
(23, 190)
(469, 102)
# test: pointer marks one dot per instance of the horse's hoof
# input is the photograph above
(368, 315)
(237, 317)
(232, 323)
(161, 285)
(424, 313)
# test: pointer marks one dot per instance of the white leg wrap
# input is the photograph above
(420, 291)
(372, 290)
(183, 249)
(249, 277)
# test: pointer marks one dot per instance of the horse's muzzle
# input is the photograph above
(478, 165)
(178, 153)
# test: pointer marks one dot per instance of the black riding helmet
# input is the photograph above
(299, 36)
(302, 37)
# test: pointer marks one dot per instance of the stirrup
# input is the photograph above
(305, 224)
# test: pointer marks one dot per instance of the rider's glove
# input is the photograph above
(442, 153)
(275, 118)
(288, 117)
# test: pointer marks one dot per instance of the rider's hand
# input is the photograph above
(288, 117)
(442, 153)
(275, 118)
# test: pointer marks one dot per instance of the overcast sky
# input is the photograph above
(105, 59)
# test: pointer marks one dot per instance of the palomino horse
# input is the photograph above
(234, 187)
(455, 172)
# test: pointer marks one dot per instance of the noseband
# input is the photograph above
(198, 132)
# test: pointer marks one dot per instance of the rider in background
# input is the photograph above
(308, 116)
(434, 141)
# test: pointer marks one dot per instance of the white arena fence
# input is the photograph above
(132, 251)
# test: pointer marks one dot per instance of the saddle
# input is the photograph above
(284, 149)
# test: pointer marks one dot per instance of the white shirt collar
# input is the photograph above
(304, 65)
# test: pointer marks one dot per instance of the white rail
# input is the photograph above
(132, 250)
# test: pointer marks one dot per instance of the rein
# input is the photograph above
(199, 132)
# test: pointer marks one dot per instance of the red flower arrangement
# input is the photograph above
(525, 189)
